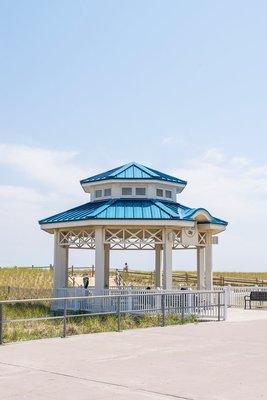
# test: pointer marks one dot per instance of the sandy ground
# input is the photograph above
(213, 360)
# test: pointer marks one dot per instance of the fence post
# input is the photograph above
(219, 306)
(186, 278)
(1, 324)
(119, 313)
(227, 290)
(129, 301)
(189, 302)
(163, 296)
(158, 302)
(182, 307)
(225, 305)
(65, 319)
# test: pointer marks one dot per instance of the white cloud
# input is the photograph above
(55, 187)
(216, 181)
(57, 169)
(213, 156)
(232, 188)
(23, 194)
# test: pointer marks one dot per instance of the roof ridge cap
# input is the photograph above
(103, 207)
(147, 170)
(120, 169)
(165, 208)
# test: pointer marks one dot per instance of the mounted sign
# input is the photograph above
(189, 237)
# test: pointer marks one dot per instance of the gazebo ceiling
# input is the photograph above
(134, 209)
(133, 171)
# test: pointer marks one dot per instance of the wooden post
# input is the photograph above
(186, 278)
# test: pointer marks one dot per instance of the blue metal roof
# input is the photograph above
(144, 209)
(133, 170)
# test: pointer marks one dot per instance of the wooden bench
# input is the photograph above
(255, 296)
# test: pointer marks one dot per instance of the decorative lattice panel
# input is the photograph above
(177, 238)
(178, 242)
(124, 239)
(133, 239)
(83, 239)
(202, 238)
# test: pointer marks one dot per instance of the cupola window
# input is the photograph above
(126, 191)
(98, 193)
(159, 192)
(140, 191)
(107, 192)
(168, 194)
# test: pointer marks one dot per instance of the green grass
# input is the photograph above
(37, 282)
(16, 331)
(26, 277)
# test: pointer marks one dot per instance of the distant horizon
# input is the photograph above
(149, 269)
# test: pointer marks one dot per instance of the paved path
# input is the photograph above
(239, 314)
(194, 362)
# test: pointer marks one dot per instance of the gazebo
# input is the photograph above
(134, 207)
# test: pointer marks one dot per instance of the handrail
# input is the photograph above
(159, 293)
(182, 302)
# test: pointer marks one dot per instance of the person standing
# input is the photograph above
(85, 281)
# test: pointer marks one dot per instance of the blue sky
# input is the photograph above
(180, 86)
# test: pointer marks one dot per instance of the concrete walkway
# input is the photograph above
(213, 360)
(239, 315)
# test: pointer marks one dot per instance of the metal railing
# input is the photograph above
(235, 294)
(203, 304)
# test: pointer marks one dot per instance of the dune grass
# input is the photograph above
(16, 331)
(40, 280)
(37, 282)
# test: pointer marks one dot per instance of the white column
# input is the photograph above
(61, 256)
(167, 260)
(99, 260)
(158, 269)
(208, 264)
(106, 264)
(200, 268)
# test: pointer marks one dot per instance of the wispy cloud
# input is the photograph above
(233, 186)
(57, 169)
(235, 189)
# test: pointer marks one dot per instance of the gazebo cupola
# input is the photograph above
(134, 207)
(133, 181)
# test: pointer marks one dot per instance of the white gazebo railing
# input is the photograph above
(203, 304)
(235, 294)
